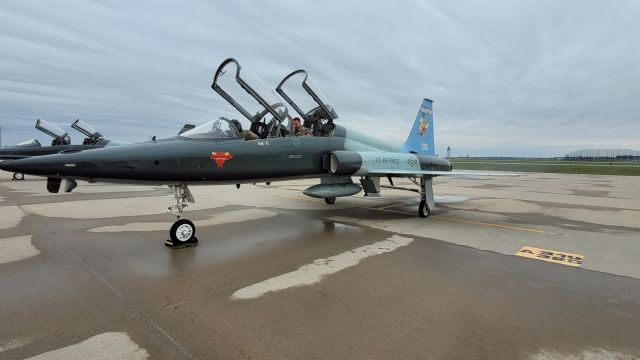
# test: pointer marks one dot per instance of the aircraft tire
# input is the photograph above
(423, 209)
(330, 200)
(182, 232)
(18, 176)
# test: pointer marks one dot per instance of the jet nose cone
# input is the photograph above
(21, 166)
(7, 165)
(40, 165)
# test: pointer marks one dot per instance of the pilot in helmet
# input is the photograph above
(246, 134)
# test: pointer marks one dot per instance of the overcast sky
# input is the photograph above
(525, 78)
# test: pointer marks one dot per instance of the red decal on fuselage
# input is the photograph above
(220, 158)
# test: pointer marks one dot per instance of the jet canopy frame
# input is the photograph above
(60, 137)
(313, 116)
(270, 104)
(93, 135)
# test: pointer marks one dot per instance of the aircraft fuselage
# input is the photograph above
(21, 152)
(190, 161)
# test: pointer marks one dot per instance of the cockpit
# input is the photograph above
(60, 137)
(309, 102)
(93, 136)
(252, 98)
(268, 115)
(218, 129)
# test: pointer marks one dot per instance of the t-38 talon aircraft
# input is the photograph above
(216, 153)
(61, 142)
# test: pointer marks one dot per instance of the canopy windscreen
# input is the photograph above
(231, 80)
(50, 129)
(86, 129)
(303, 94)
(212, 130)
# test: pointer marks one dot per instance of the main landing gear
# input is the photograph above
(423, 208)
(427, 202)
(18, 176)
(183, 232)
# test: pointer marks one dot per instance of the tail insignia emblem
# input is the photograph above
(422, 127)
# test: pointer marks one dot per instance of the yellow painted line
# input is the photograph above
(489, 224)
(385, 208)
(556, 257)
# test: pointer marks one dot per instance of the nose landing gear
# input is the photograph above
(182, 234)
(183, 231)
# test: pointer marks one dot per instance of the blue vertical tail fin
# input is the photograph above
(421, 139)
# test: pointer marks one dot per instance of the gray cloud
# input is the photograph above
(508, 78)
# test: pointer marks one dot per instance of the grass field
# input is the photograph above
(550, 166)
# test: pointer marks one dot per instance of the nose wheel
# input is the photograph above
(182, 233)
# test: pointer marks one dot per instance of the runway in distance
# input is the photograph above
(216, 152)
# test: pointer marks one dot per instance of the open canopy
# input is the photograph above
(51, 129)
(86, 129)
(220, 128)
(251, 97)
(304, 96)
(308, 101)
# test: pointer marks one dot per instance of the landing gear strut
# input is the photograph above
(183, 231)
(427, 202)
(330, 200)
(18, 176)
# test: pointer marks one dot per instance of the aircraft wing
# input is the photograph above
(383, 172)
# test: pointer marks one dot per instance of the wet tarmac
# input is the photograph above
(279, 275)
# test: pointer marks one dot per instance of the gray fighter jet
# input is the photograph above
(61, 142)
(216, 153)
